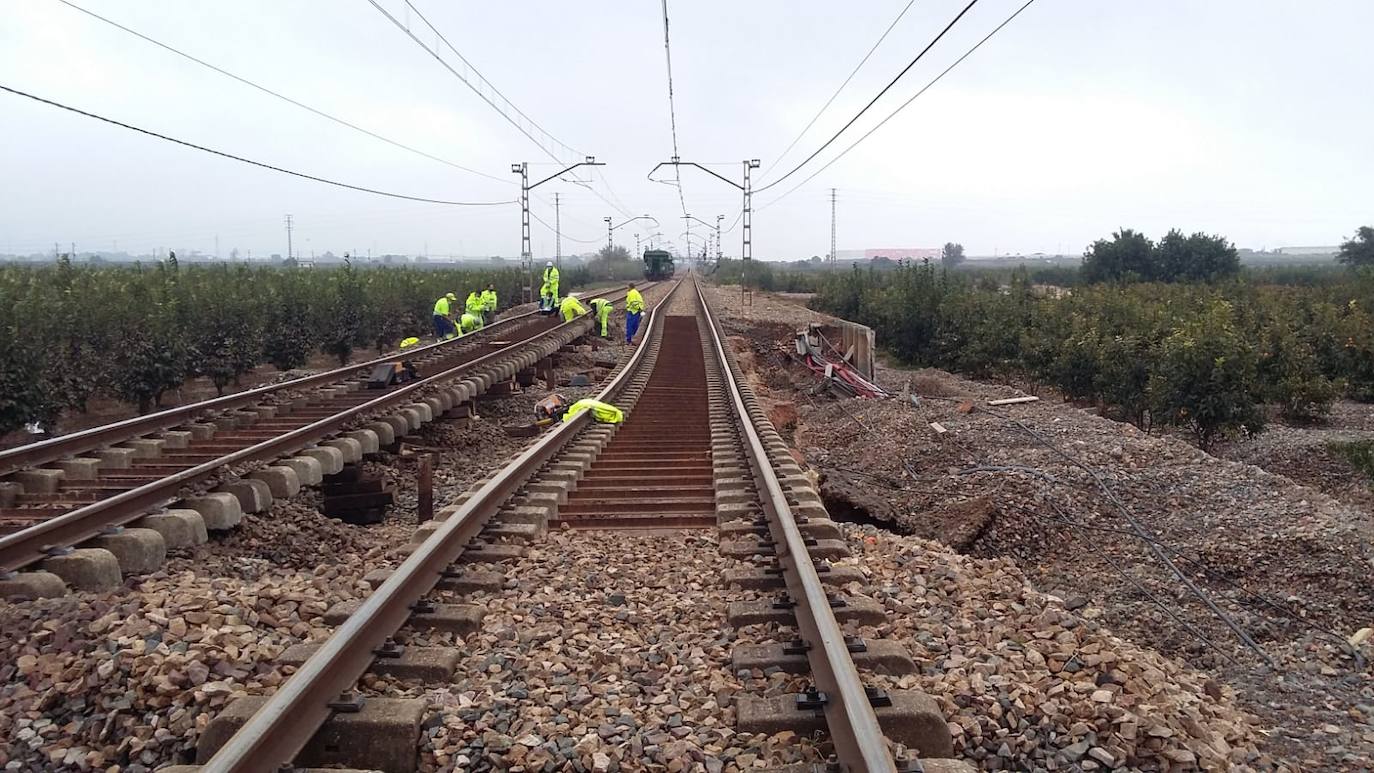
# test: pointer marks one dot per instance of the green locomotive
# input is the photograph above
(658, 264)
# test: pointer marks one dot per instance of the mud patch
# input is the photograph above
(784, 418)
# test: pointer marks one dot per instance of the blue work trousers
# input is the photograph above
(442, 326)
(632, 325)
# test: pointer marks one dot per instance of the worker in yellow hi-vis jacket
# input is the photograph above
(602, 309)
(571, 308)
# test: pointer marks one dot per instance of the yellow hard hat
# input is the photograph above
(451, 297)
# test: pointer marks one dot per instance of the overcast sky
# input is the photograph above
(1249, 118)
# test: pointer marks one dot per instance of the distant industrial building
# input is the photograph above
(892, 253)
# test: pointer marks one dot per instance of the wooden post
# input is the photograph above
(424, 501)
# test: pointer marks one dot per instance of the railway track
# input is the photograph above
(79, 491)
(696, 451)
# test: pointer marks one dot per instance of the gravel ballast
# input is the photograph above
(1275, 555)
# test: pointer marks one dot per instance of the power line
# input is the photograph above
(826, 106)
(880, 94)
(672, 107)
(544, 223)
(402, 27)
(495, 90)
(278, 95)
(250, 161)
(902, 106)
(435, 54)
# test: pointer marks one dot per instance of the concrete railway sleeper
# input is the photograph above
(84, 522)
(316, 717)
(582, 475)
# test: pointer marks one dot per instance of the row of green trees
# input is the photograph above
(1130, 256)
(1207, 357)
(69, 334)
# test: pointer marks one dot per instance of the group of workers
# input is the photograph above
(478, 310)
(571, 308)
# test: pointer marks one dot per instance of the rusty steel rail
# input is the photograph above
(46, 451)
(854, 728)
(277, 732)
(34, 543)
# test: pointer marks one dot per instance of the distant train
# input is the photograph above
(658, 264)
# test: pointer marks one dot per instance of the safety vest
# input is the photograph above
(634, 302)
(469, 323)
(551, 276)
(474, 303)
(489, 300)
(602, 412)
(601, 306)
(571, 309)
(441, 306)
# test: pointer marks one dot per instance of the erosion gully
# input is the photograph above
(695, 453)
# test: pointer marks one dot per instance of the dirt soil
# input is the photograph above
(1288, 559)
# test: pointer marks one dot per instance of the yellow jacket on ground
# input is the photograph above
(602, 412)
(634, 302)
(571, 309)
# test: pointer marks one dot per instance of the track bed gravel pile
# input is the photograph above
(1272, 553)
(608, 650)
(1027, 684)
(131, 678)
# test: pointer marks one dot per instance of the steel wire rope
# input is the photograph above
(260, 164)
(283, 97)
(900, 107)
(1130, 519)
(1153, 598)
(874, 100)
(828, 102)
(897, 485)
(1127, 515)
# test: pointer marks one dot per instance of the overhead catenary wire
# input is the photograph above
(902, 106)
(874, 100)
(283, 97)
(830, 101)
(435, 54)
(251, 162)
(453, 71)
(544, 223)
(672, 108)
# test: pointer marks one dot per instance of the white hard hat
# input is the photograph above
(548, 263)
